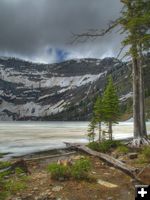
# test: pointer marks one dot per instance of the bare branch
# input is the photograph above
(120, 52)
(94, 33)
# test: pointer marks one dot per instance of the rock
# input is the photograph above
(45, 196)
(122, 159)
(106, 184)
(61, 179)
(57, 188)
(78, 157)
(110, 198)
(132, 155)
(35, 189)
(112, 168)
(106, 174)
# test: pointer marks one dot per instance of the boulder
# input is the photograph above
(132, 155)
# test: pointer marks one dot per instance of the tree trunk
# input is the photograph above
(136, 103)
(142, 98)
(138, 106)
(110, 130)
(99, 128)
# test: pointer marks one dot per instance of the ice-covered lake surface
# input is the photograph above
(20, 138)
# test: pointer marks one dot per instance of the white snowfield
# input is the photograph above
(32, 109)
(36, 109)
(73, 81)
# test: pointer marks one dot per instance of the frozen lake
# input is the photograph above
(19, 138)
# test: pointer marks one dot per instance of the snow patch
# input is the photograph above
(125, 97)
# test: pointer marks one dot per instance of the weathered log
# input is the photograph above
(51, 156)
(17, 164)
(131, 171)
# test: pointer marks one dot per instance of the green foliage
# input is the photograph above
(19, 171)
(81, 168)
(13, 184)
(58, 171)
(135, 21)
(146, 153)
(104, 146)
(122, 149)
(110, 103)
(4, 165)
(1, 155)
(98, 110)
(91, 129)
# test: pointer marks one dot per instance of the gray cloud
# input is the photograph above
(29, 28)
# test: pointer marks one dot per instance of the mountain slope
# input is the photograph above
(63, 91)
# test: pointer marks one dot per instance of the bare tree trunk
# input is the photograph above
(142, 98)
(138, 106)
(136, 103)
(99, 127)
(110, 130)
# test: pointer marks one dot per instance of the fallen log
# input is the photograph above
(51, 156)
(131, 171)
(21, 164)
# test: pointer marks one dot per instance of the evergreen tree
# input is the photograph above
(135, 23)
(91, 129)
(98, 113)
(110, 103)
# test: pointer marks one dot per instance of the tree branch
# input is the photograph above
(94, 33)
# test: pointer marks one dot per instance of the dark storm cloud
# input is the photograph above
(40, 29)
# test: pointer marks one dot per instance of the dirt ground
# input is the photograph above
(113, 184)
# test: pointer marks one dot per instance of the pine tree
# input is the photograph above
(98, 113)
(110, 103)
(91, 129)
(135, 23)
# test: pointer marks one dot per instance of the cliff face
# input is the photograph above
(63, 91)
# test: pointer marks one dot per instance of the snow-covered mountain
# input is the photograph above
(57, 91)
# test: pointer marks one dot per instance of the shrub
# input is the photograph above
(19, 171)
(1, 155)
(104, 146)
(94, 146)
(146, 152)
(122, 149)
(81, 168)
(58, 171)
(4, 165)
(14, 186)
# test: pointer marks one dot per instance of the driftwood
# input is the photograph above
(22, 163)
(17, 164)
(131, 171)
(51, 156)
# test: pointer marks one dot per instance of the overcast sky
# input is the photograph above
(40, 30)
